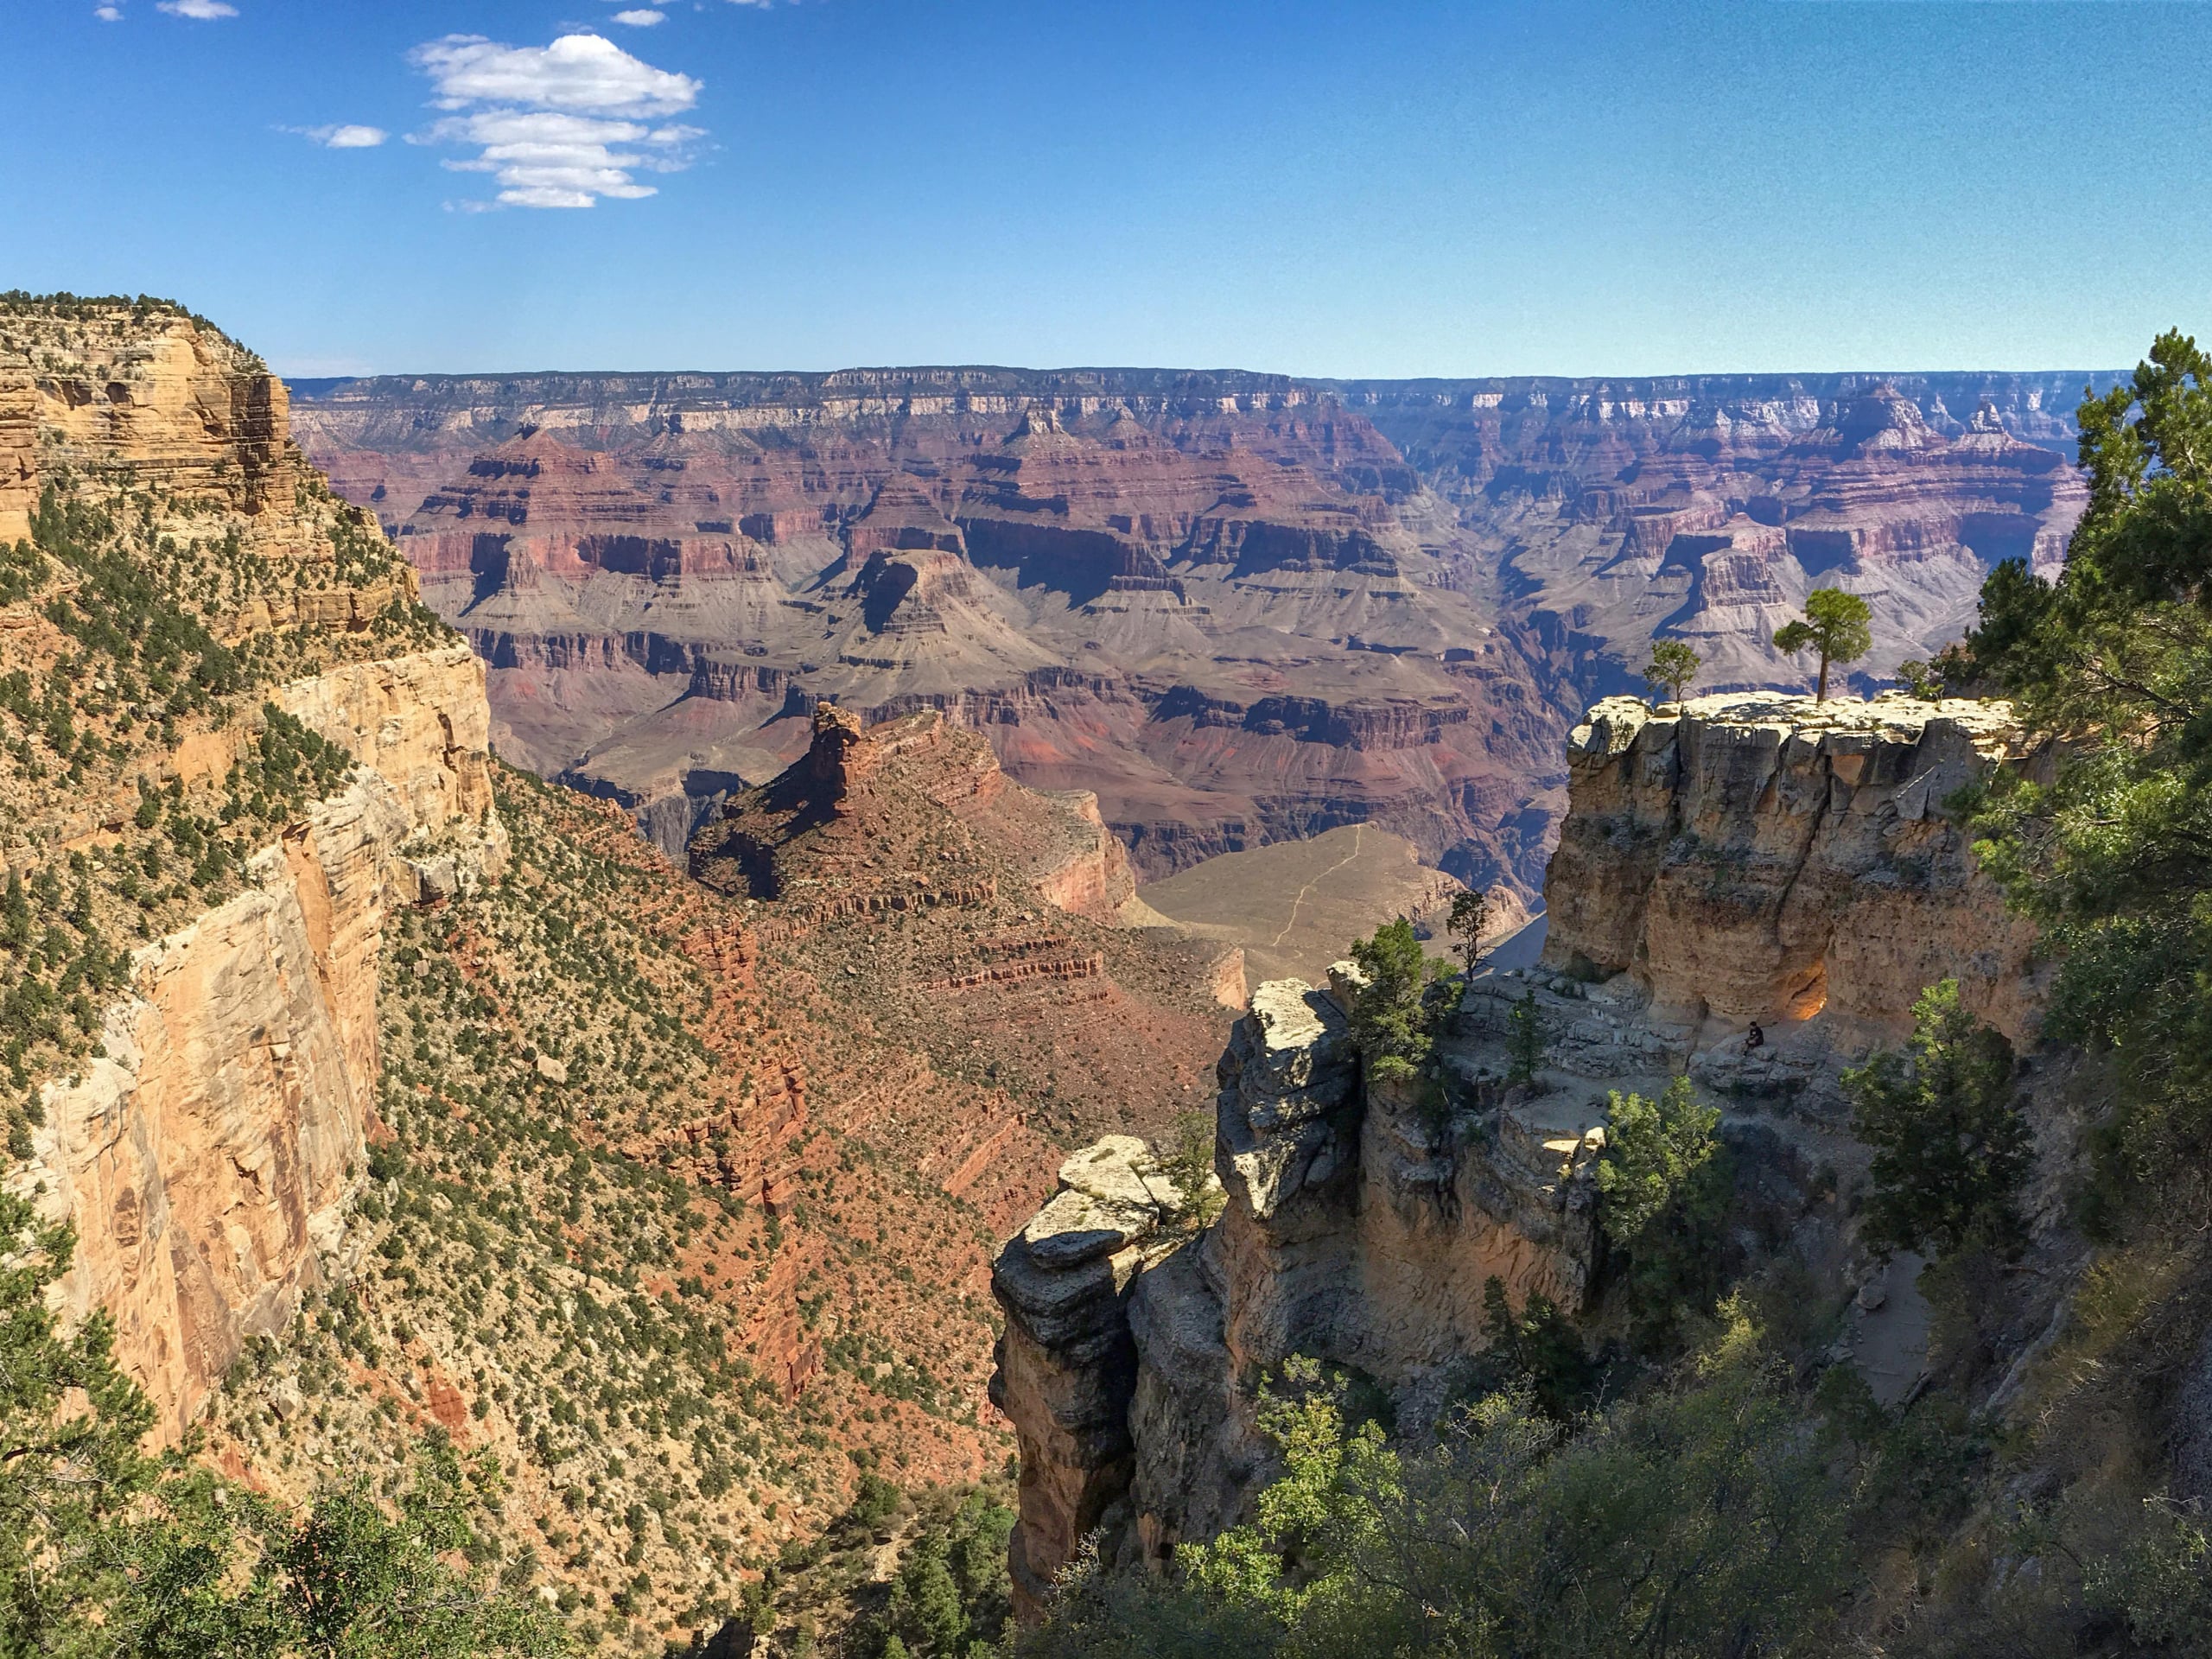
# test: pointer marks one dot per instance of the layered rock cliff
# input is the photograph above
(1358, 1228)
(1239, 608)
(240, 745)
(1735, 860)
(1773, 858)
(207, 1157)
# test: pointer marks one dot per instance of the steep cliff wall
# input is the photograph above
(1358, 1229)
(1740, 860)
(233, 744)
(207, 1155)
(1770, 859)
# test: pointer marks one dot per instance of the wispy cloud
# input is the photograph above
(108, 14)
(204, 10)
(559, 125)
(640, 19)
(343, 138)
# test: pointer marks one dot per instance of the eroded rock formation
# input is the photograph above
(1358, 1229)
(205, 1148)
(1769, 859)
(1742, 859)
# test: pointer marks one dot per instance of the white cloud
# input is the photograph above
(205, 10)
(640, 19)
(560, 125)
(586, 72)
(344, 137)
(108, 14)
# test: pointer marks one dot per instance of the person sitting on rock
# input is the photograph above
(1754, 1039)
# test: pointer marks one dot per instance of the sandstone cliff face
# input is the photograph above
(1771, 859)
(187, 410)
(206, 1158)
(1354, 1231)
(1066, 1363)
(204, 1129)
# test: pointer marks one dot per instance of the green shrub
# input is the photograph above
(1950, 1147)
(1664, 1182)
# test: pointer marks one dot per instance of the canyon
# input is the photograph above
(1740, 860)
(390, 1093)
(1238, 608)
(397, 1096)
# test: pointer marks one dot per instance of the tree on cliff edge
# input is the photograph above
(1673, 665)
(1834, 624)
(1470, 915)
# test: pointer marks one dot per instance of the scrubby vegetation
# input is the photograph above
(568, 1257)
(1699, 1520)
(1666, 1183)
(106, 1550)
(1951, 1148)
(137, 639)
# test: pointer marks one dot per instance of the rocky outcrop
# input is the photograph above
(188, 410)
(1066, 1364)
(207, 1155)
(883, 819)
(1731, 861)
(1771, 859)
(1359, 1228)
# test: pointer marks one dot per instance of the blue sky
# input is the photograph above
(1385, 187)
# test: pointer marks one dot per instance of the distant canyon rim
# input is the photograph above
(1238, 608)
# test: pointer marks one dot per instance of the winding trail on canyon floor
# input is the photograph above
(1358, 832)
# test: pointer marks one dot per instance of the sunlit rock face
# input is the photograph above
(206, 1160)
(1749, 858)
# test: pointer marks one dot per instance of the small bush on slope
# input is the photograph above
(1665, 1181)
(1950, 1147)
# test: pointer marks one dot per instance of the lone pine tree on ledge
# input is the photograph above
(1673, 665)
(1834, 624)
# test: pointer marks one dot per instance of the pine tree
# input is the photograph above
(1835, 625)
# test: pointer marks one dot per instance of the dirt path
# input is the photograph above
(1359, 830)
